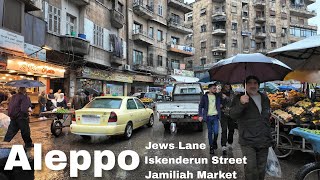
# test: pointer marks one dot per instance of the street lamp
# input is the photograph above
(42, 47)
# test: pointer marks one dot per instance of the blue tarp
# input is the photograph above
(314, 139)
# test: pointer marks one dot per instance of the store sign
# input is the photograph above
(35, 67)
(163, 81)
(182, 49)
(104, 75)
(30, 49)
(143, 78)
(180, 72)
(11, 41)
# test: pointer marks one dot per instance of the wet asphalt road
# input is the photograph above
(140, 139)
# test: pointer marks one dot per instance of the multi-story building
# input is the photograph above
(156, 37)
(224, 28)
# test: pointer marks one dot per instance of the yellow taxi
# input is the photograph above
(111, 115)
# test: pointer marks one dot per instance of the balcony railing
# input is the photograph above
(143, 10)
(301, 10)
(179, 26)
(142, 37)
(117, 19)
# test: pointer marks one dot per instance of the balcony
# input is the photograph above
(220, 48)
(302, 11)
(80, 2)
(178, 26)
(260, 35)
(305, 26)
(284, 15)
(116, 60)
(142, 37)
(179, 4)
(259, 3)
(160, 70)
(117, 19)
(260, 19)
(32, 5)
(142, 67)
(181, 50)
(74, 45)
(245, 14)
(308, 2)
(145, 11)
(219, 18)
(219, 31)
(218, 13)
(245, 32)
(262, 50)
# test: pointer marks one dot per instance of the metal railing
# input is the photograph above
(143, 33)
(144, 6)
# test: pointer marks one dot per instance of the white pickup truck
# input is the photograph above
(183, 109)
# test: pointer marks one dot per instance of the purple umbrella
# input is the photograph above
(235, 69)
(25, 83)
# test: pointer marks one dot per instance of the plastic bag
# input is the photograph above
(273, 166)
(4, 124)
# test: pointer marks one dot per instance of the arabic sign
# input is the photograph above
(92, 73)
(30, 49)
(35, 67)
(180, 72)
(11, 41)
(142, 78)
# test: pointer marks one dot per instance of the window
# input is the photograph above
(131, 104)
(303, 33)
(160, 10)
(160, 36)
(273, 29)
(54, 18)
(190, 18)
(71, 24)
(174, 40)
(301, 21)
(137, 57)
(150, 60)
(159, 60)
(203, 12)
(273, 45)
(151, 32)
(284, 30)
(253, 43)
(234, 9)
(272, 13)
(105, 103)
(137, 28)
(203, 61)
(203, 44)
(11, 15)
(234, 43)
(203, 28)
(175, 64)
(139, 103)
(190, 64)
(98, 35)
(175, 18)
(291, 30)
(234, 26)
(120, 7)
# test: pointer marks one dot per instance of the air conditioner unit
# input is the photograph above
(127, 67)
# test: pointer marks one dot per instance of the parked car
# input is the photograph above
(183, 109)
(112, 115)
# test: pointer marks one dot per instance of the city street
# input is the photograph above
(140, 139)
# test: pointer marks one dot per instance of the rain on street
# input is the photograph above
(140, 139)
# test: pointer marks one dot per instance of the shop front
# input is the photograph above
(141, 83)
(106, 82)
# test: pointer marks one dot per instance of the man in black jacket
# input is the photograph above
(252, 111)
(18, 111)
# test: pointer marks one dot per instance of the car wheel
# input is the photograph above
(85, 137)
(56, 128)
(128, 131)
(151, 121)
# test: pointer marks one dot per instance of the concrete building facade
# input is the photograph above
(224, 28)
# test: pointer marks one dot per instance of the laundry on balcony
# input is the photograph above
(117, 45)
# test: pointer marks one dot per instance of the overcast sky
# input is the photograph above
(312, 21)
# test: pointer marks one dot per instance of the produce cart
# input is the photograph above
(60, 119)
(311, 170)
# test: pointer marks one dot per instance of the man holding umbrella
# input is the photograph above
(18, 111)
(252, 110)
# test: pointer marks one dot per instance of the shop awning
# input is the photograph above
(185, 78)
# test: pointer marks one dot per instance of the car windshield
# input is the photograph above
(105, 103)
(150, 95)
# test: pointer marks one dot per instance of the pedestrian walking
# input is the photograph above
(42, 101)
(18, 111)
(209, 111)
(227, 123)
(252, 111)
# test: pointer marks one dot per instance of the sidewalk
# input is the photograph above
(34, 119)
